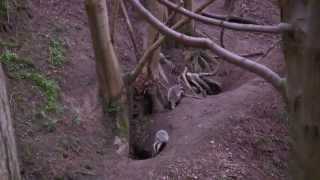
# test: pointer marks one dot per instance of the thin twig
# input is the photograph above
(230, 9)
(246, 55)
(279, 28)
(130, 28)
(234, 19)
(115, 12)
(266, 53)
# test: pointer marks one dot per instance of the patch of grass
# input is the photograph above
(15, 66)
(49, 87)
(8, 56)
(57, 52)
(76, 117)
(23, 69)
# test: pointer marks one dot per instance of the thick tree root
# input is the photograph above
(200, 83)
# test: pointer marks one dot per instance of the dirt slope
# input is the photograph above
(238, 134)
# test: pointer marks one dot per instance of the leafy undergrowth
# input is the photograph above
(23, 69)
(57, 52)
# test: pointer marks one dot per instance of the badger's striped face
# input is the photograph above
(158, 147)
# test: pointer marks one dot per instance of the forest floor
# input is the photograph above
(240, 133)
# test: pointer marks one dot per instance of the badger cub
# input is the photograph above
(175, 94)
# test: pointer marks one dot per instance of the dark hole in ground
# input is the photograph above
(140, 154)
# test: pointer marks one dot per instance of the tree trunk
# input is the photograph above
(302, 54)
(107, 65)
(152, 69)
(188, 28)
(228, 3)
(9, 165)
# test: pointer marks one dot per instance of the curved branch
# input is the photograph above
(146, 55)
(234, 19)
(230, 57)
(235, 26)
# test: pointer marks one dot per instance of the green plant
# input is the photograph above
(16, 67)
(57, 52)
(113, 107)
(23, 69)
(48, 86)
(76, 118)
(8, 56)
(3, 8)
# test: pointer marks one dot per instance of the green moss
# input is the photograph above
(3, 8)
(8, 56)
(116, 112)
(57, 53)
(18, 68)
(113, 107)
(123, 127)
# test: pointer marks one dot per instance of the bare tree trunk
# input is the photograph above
(152, 69)
(108, 69)
(302, 54)
(115, 13)
(9, 165)
(188, 28)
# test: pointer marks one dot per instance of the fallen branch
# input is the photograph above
(259, 69)
(235, 26)
(266, 53)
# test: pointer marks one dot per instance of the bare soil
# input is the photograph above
(238, 134)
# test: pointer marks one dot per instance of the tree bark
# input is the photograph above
(188, 28)
(302, 54)
(152, 69)
(9, 165)
(107, 66)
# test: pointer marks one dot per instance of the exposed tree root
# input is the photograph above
(199, 83)
(185, 80)
(203, 84)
